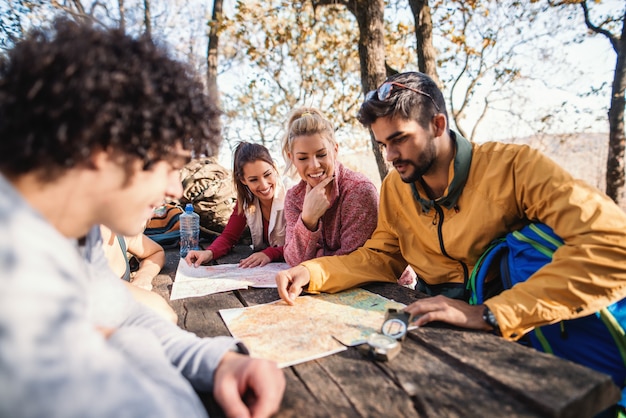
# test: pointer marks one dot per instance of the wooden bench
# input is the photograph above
(440, 372)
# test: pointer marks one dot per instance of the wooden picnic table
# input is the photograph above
(441, 371)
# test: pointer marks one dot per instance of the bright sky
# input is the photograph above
(595, 60)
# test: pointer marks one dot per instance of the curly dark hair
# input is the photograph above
(403, 102)
(68, 92)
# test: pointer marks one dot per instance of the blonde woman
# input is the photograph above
(333, 210)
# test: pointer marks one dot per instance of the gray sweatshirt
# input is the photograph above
(53, 361)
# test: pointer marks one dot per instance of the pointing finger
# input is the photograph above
(283, 280)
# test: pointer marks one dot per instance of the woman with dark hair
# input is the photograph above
(260, 202)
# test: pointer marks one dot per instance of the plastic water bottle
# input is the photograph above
(189, 231)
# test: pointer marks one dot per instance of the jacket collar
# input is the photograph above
(461, 165)
(278, 203)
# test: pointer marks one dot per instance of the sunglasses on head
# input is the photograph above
(384, 91)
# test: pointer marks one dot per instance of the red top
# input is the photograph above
(232, 233)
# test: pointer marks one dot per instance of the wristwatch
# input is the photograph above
(491, 320)
(382, 347)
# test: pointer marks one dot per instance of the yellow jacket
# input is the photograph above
(494, 189)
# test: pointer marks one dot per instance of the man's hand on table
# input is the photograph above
(248, 387)
(451, 311)
(290, 283)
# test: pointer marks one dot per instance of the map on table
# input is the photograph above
(205, 280)
(316, 326)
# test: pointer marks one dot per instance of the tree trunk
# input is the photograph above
(370, 17)
(122, 15)
(147, 18)
(615, 173)
(426, 53)
(615, 168)
(212, 50)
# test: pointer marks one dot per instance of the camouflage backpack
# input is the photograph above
(209, 188)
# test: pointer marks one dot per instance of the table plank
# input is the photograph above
(552, 386)
(300, 400)
(201, 315)
(365, 385)
(327, 396)
(439, 388)
(251, 297)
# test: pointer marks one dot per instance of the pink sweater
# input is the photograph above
(345, 226)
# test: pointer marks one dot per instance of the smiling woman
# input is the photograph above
(333, 210)
(260, 199)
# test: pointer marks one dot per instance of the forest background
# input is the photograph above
(551, 73)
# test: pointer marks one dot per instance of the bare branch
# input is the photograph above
(483, 113)
(78, 14)
(316, 3)
(79, 6)
(612, 38)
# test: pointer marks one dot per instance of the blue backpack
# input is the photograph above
(597, 341)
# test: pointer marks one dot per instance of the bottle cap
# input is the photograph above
(188, 208)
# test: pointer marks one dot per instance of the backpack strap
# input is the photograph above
(122, 243)
(545, 345)
(547, 246)
(475, 283)
(616, 330)
(547, 234)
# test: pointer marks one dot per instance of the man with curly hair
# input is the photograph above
(94, 127)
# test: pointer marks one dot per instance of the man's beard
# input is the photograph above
(421, 166)
(418, 170)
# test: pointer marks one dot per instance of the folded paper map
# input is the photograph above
(205, 280)
(316, 326)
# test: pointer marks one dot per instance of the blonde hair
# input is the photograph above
(306, 121)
